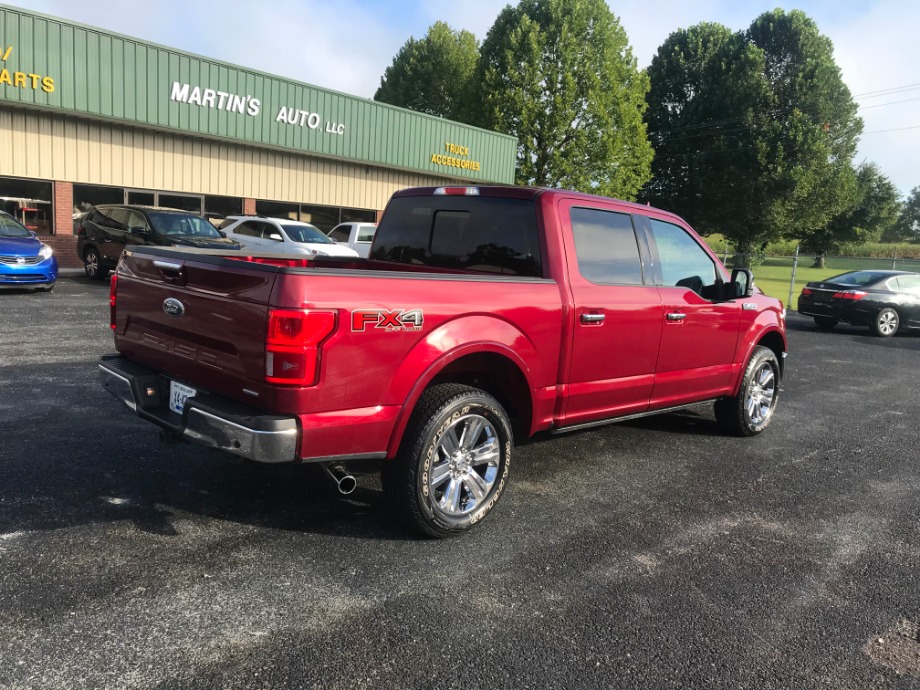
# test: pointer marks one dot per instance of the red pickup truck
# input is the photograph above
(483, 314)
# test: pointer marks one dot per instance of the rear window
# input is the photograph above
(858, 278)
(483, 234)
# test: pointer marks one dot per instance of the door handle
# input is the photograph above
(676, 316)
(592, 318)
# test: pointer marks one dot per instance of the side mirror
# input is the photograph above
(742, 283)
(138, 231)
(221, 233)
(275, 236)
(33, 233)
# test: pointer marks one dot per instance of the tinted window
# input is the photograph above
(858, 278)
(366, 233)
(137, 220)
(683, 262)
(486, 234)
(104, 217)
(341, 233)
(120, 216)
(605, 244)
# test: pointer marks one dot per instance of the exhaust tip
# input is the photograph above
(347, 484)
(344, 481)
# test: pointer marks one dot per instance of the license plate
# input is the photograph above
(178, 394)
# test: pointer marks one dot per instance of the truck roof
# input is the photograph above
(528, 193)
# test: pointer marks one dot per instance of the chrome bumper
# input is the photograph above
(208, 419)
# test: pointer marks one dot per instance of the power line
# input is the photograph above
(879, 105)
(896, 129)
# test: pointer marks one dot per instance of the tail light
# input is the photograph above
(293, 343)
(850, 294)
(113, 289)
(806, 291)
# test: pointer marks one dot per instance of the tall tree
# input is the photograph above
(907, 227)
(875, 211)
(434, 75)
(765, 139)
(560, 76)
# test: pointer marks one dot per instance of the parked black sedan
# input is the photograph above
(885, 301)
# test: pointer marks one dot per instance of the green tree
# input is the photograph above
(875, 211)
(560, 76)
(907, 227)
(434, 75)
(763, 139)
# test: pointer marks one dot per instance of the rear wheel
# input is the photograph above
(92, 264)
(750, 411)
(886, 323)
(453, 463)
(825, 322)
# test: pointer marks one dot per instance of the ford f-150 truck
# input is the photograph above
(482, 315)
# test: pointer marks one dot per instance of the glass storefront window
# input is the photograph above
(223, 206)
(85, 196)
(277, 209)
(29, 201)
(323, 217)
(358, 215)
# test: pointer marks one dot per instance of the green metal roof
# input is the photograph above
(63, 66)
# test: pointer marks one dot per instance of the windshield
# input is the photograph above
(306, 233)
(178, 224)
(9, 227)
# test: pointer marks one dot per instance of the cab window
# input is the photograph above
(683, 262)
(606, 247)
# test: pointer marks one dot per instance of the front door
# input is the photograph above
(700, 331)
(617, 315)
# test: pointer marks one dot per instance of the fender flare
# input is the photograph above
(445, 346)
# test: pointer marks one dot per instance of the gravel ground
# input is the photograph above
(651, 554)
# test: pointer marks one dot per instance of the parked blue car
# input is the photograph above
(25, 261)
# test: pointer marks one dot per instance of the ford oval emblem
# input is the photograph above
(173, 307)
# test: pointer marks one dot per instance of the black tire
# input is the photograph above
(450, 506)
(886, 323)
(825, 323)
(92, 264)
(750, 412)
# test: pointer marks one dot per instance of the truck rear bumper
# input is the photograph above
(207, 419)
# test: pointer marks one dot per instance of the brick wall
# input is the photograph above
(63, 208)
(65, 249)
(249, 207)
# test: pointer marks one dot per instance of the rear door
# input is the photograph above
(112, 223)
(700, 332)
(618, 316)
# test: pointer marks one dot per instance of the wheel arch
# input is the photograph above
(492, 366)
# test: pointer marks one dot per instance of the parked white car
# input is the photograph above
(282, 235)
(357, 236)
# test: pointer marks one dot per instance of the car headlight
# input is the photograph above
(45, 252)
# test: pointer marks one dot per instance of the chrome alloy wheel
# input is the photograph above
(761, 394)
(888, 322)
(466, 466)
(91, 263)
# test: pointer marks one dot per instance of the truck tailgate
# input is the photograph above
(194, 319)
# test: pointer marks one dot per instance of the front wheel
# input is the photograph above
(453, 463)
(886, 323)
(750, 411)
(92, 264)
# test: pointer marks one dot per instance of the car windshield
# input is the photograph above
(9, 227)
(306, 233)
(858, 278)
(180, 224)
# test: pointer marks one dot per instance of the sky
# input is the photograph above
(346, 45)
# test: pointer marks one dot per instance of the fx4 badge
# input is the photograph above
(387, 319)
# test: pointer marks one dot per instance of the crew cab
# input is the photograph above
(482, 315)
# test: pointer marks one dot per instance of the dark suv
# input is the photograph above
(107, 230)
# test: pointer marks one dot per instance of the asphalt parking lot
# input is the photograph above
(652, 554)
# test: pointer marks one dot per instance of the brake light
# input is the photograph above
(850, 294)
(293, 343)
(457, 191)
(113, 288)
(806, 291)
